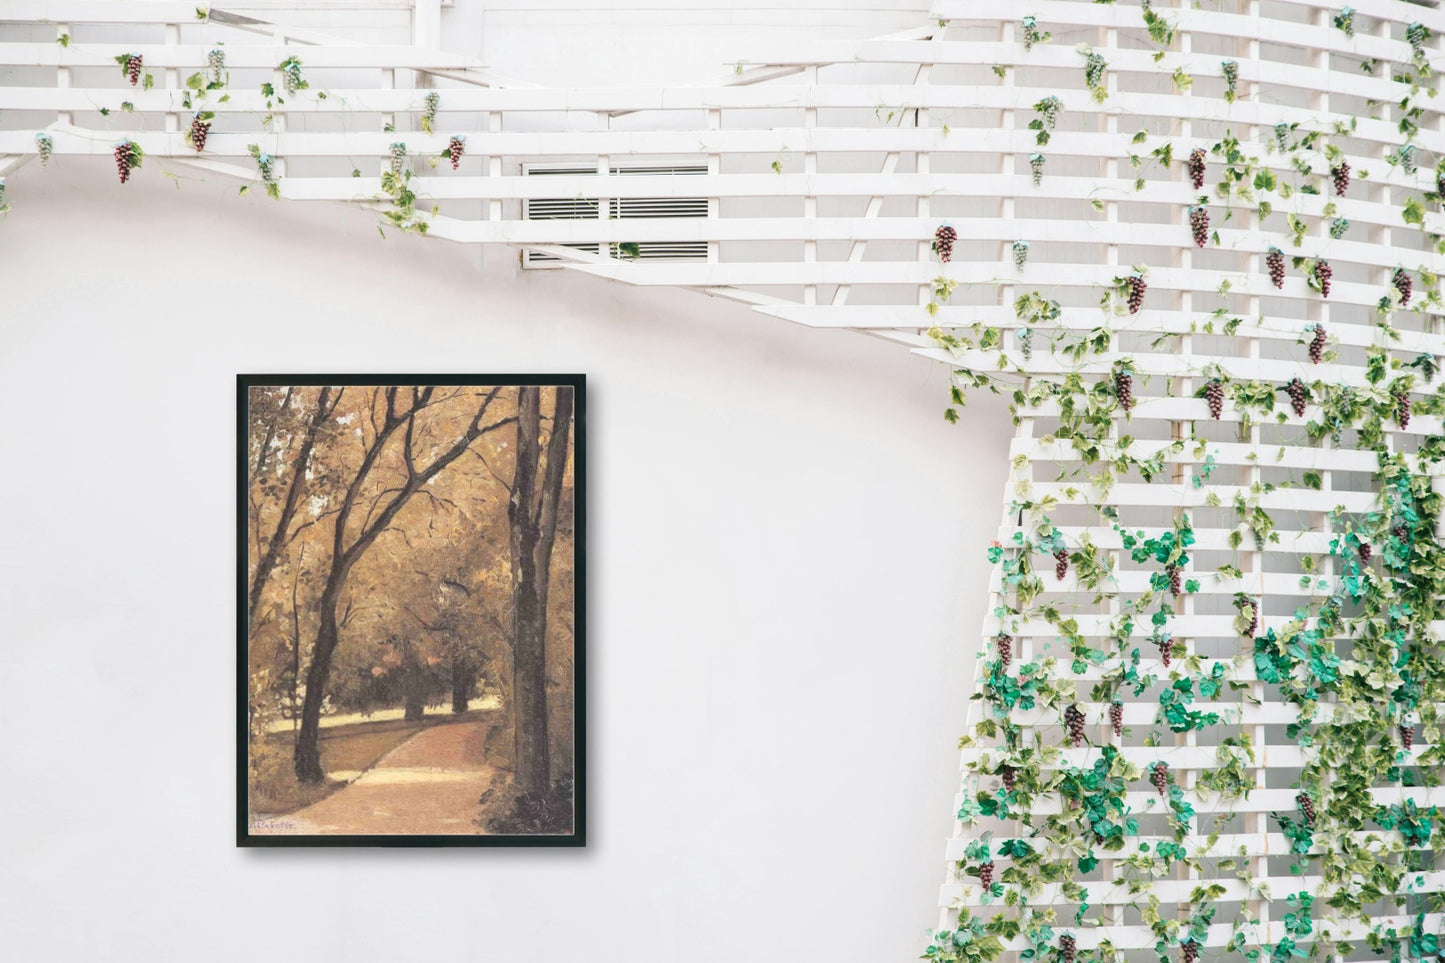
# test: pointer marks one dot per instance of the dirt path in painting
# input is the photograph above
(427, 785)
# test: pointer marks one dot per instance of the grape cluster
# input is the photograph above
(1214, 394)
(1274, 261)
(1402, 409)
(1317, 345)
(429, 110)
(1124, 389)
(943, 239)
(1366, 553)
(1440, 183)
(1338, 227)
(1253, 617)
(1199, 224)
(1116, 717)
(1031, 32)
(133, 65)
(1400, 533)
(1026, 343)
(44, 146)
(1067, 948)
(1074, 720)
(291, 76)
(1403, 283)
(1298, 396)
(1196, 167)
(1036, 165)
(1166, 651)
(1094, 66)
(1176, 580)
(1188, 951)
(1021, 254)
(1048, 109)
(1137, 286)
(1231, 77)
(1323, 273)
(1407, 737)
(1340, 174)
(1061, 564)
(1005, 645)
(1009, 777)
(397, 153)
(1406, 156)
(199, 129)
(1306, 806)
(124, 159)
(216, 60)
(985, 873)
(1159, 776)
(455, 148)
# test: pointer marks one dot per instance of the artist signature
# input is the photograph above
(272, 825)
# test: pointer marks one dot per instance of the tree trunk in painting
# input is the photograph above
(532, 513)
(308, 739)
(461, 683)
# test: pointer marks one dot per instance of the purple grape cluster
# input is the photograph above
(1306, 806)
(455, 148)
(124, 159)
(1199, 224)
(1403, 283)
(1317, 345)
(1323, 272)
(1274, 260)
(1159, 776)
(985, 873)
(1061, 564)
(1366, 553)
(1196, 167)
(1214, 394)
(1299, 395)
(1188, 951)
(1009, 776)
(1176, 580)
(1124, 389)
(1407, 737)
(1067, 948)
(1074, 720)
(133, 65)
(1116, 718)
(199, 129)
(1166, 651)
(1137, 287)
(1004, 643)
(943, 239)
(1340, 174)
(1402, 408)
(1253, 617)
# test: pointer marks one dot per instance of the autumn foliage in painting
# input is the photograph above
(410, 609)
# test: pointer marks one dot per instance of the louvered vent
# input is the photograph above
(621, 208)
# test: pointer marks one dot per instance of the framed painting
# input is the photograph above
(411, 618)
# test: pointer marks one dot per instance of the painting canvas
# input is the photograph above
(410, 594)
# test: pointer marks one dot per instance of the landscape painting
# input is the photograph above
(410, 610)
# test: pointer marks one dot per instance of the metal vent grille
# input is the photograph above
(622, 208)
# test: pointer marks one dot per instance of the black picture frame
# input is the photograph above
(578, 838)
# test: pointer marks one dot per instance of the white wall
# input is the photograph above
(787, 580)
